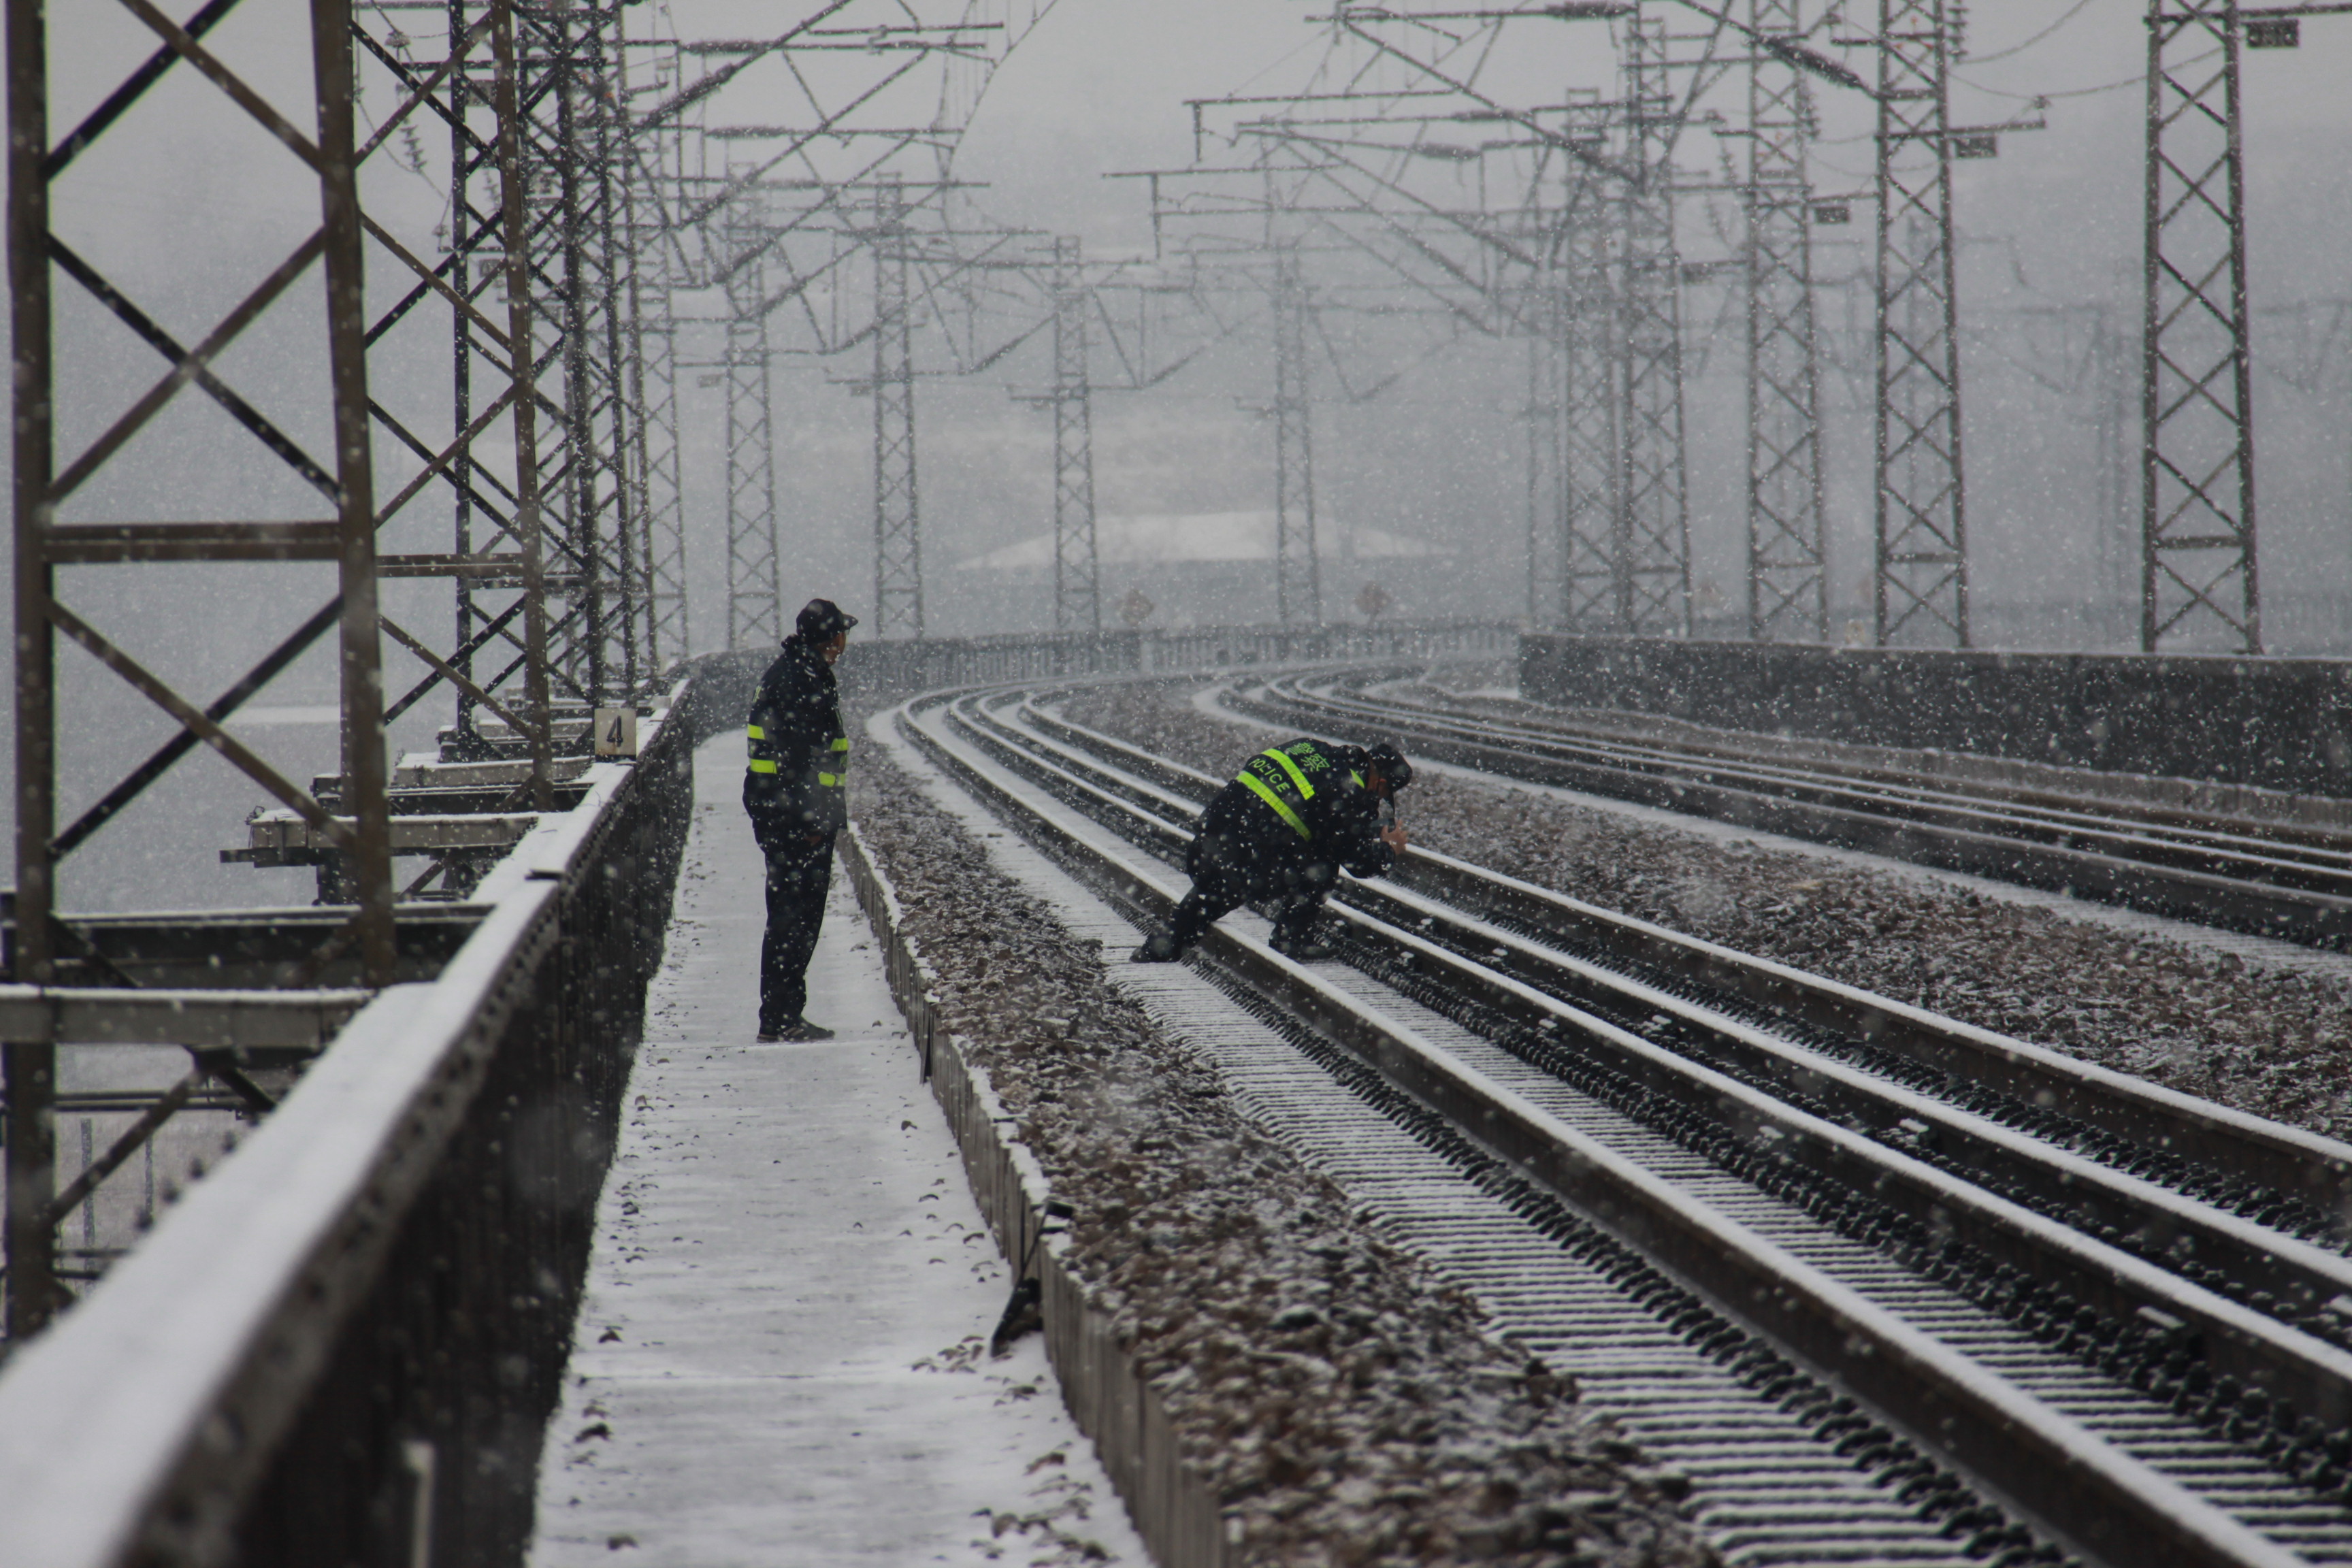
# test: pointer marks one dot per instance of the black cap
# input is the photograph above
(821, 620)
(1390, 763)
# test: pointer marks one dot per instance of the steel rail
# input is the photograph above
(2320, 856)
(2102, 1502)
(1829, 1115)
(2112, 866)
(2303, 1166)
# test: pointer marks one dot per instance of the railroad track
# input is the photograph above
(1944, 1285)
(2285, 879)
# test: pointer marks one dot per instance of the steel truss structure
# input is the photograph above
(754, 574)
(898, 501)
(1920, 513)
(325, 269)
(1077, 579)
(1652, 580)
(1788, 575)
(1297, 572)
(2199, 582)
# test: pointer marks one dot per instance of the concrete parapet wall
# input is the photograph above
(1173, 1508)
(2268, 724)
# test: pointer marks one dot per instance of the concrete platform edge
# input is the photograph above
(1172, 1507)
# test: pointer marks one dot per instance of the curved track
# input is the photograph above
(2119, 1312)
(2272, 878)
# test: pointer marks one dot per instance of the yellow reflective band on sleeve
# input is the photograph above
(830, 780)
(1306, 790)
(761, 765)
(1358, 778)
(755, 732)
(842, 744)
(1281, 808)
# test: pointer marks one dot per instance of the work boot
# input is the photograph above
(800, 1029)
(1160, 947)
(1303, 946)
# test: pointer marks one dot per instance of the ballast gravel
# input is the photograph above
(1347, 1407)
(2196, 1017)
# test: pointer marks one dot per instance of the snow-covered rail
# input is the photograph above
(2133, 1411)
(2272, 876)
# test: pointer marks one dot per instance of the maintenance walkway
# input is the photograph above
(780, 1358)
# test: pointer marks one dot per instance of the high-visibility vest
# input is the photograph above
(1278, 776)
(763, 758)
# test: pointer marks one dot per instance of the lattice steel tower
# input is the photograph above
(1652, 578)
(1078, 595)
(2199, 586)
(755, 574)
(1297, 572)
(1788, 580)
(1921, 515)
(1592, 411)
(898, 514)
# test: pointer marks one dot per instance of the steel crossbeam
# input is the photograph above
(2199, 582)
(1788, 580)
(1920, 516)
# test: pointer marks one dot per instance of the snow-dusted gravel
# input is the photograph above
(2196, 1016)
(1349, 1407)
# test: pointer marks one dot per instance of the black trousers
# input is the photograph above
(1227, 875)
(799, 875)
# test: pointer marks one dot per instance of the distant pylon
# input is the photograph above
(1787, 582)
(897, 513)
(1921, 577)
(1077, 597)
(1297, 573)
(2199, 582)
(1651, 580)
(755, 574)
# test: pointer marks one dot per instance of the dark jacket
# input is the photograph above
(796, 778)
(1303, 800)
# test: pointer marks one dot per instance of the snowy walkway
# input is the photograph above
(780, 1356)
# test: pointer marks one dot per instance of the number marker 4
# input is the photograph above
(616, 731)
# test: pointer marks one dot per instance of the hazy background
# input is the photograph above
(188, 202)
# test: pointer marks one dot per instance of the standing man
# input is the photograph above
(1298, 816)
(795, 791)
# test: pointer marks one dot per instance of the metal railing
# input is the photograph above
(341, 1346)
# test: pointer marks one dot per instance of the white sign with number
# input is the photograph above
(616, 731)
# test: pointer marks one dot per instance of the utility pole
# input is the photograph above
(1651, 581)
(1788, 580)
(1298, 582)
(754, 573)
(2199, 582)
(898, 514)
(1920, 510)
(1592, 478)
(1077, 597)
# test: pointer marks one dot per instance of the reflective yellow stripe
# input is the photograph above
(1281, 808)
(842, 744)
(754, 731)
(760, 765)
(830, 780)
(1358, 778)
(1306, 790)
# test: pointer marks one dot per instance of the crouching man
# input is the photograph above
(1298, 816)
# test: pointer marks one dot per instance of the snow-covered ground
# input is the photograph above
(780, 1358)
